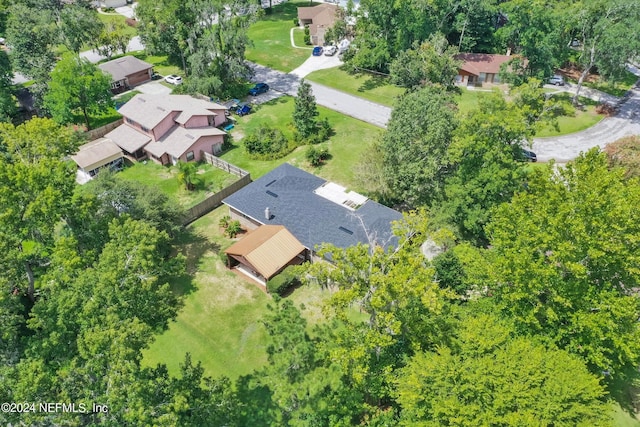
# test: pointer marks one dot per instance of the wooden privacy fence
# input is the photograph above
(225, 166)
(215, 200)
(102, 131)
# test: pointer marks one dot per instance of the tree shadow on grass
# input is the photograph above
(626, 391)
(193, 246)
(373, 82)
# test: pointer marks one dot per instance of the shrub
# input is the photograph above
(268, 144)
(316, 156)
(233, 229)
(307, 35)
(224, 221)
(131, 22)
(324, 131)
(296, 22)
(283, 281)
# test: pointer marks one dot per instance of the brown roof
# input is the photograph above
(476, 63)
(322, 15)
(267, 249)
(96, 153)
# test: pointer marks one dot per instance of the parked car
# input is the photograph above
(243, 109)
(258, 89)
(529, 156)
(317, 51)
(155, 76)
(173, 79)
(330, 50)
(556, 80)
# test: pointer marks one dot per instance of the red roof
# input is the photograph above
(476, 63)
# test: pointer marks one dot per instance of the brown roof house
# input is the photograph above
(265, 252)
(168, 128)
(95, 155)
(319, 19)
(480, 68)
(127, 72)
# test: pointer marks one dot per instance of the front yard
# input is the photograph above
(272, 40)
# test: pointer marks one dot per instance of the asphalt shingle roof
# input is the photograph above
(288, 192)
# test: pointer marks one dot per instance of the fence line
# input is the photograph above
(102, 131)
(225, 166)
(215, 200)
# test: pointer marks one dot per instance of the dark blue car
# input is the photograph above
(243, 110)
(258, 89)
(317, 51)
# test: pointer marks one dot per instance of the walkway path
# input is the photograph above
(293, 43)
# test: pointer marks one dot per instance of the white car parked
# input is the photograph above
(173, 79)
(330, 50)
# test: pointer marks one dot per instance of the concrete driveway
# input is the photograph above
(610, 129)
(153, 88)
(314, 63)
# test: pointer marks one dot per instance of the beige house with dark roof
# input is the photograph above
(127, 72)
(319, 19)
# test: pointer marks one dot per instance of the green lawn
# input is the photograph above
(106, 19)
(272, 41)
(220, 322)
(615, 88)
(583, 118)
(164, 178)
(368, 86)
(108, 116)
(351, 138)
(161, 64)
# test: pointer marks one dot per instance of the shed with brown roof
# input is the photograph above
(265, 252)
(319, 19)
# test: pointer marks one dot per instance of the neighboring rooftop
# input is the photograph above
(122, 67)
(94, 153)
(476, 63)
(291, 195)
(150, 110)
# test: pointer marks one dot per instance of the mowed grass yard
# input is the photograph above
(211, 180)
(352, 137)
(272, 41)
(220, 323)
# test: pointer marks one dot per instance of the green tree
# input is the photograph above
(7, 100)
(430, 62)
(187, 174)
(415, 145)
(562, 257)
(625, 153)
(36, 186)
(493, 377)
(305, 111)
(603, 26)
(77, 86)
(79, 27)
(112, 39)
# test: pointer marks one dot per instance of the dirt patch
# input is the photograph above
(573, 72)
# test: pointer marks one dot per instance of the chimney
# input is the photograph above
(267, 213)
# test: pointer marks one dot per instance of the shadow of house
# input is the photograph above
(127, 72)
(319, 19)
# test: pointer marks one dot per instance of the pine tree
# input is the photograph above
(305, 112)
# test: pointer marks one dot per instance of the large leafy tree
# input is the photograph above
(602, 27)
(7, 100)
(36, 186)
(77, 86)
(625, 153)
(490, 376)
(79, 27)
(305, 111)
(415, 145)
(564, 256)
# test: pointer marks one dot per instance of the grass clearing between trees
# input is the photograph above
(352, 137)
(272, 40)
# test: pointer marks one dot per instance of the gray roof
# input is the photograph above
(128, 138)
(288, 192)
(96, 153)
(123, 67)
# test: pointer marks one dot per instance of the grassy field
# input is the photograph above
(272, 41)
(351, 138)
(581, 120)
(164, 178)
(614, 88)
(368, 86)
(220, 322)
(106, 19)
(109, 115)
(161, 64)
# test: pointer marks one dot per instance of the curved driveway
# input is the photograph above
(610, 129)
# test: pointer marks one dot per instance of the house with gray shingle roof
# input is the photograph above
(314, 210)
(126, 72)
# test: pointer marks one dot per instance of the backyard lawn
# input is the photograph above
(614, 88)
(368, 86)
(220, 322)
(164, 178)
(272, 41)
(106, 19)
(351, 138)
(161, 64)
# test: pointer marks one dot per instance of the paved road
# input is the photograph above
(567, 147)
(344, 103)
(134, 45)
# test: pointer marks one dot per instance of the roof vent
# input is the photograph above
(267, 213)
(189, 136)
(271, 183)
(346, 230)
(271, 193)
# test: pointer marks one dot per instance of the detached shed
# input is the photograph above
(265, 252)
(93, 156)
